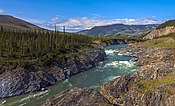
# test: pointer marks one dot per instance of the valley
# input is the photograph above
(125, 65)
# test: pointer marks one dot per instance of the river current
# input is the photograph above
(114, 66)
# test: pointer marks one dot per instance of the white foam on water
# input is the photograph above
(110, 51)
(29, 97)
(70, 84)
(40, 97)
(113, 63)
(99, 70)
(101, 62)
(94, 87)
(23, 104)
(128, 63)
(125, 64)
(2, 102)
(40, 93)
(133, 70)
(66, 80)
(110, 78)
(120, 54)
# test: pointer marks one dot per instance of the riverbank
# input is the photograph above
(151, 85)
(114, 66)
(20, 81)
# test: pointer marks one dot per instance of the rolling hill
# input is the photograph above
(11, 23)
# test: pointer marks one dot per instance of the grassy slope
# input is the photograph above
(167, 23)
(162, 42)
(12, 23)
(149, 86)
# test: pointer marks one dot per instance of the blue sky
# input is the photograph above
(40, 11)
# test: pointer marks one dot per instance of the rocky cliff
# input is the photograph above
(163, 29)
(115, 42)
(152, 85)
(19, 81)
(160, 32)
(78, 97)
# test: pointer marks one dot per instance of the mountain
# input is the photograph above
(118, 29)
(163, 29)
(12, 23)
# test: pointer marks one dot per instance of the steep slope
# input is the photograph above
(162, 30)
(12, 23)
(152, 85)
(118, 29)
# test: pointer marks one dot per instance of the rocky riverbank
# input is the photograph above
(19, 81)
(152, 85)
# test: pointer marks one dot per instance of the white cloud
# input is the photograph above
(77, 24)
(34, 21)
(2, 11)
(96, 16)
(54, 19)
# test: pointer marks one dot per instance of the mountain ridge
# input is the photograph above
(118, 30)
(163, 29)
(12, 23)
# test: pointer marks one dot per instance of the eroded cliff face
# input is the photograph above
(82, 97)
(152, 85)
(160, 32)
(20, 81)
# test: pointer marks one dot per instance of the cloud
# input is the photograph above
(96, 16)
(77, 24)
(2, 11)
(34, 21)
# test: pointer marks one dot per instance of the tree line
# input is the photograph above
(19, 47)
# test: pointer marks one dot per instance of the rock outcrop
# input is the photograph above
(115, 42)
(160, 32)
(82, 97)
(20, 81)
(152, 85)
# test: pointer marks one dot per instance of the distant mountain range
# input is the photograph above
(118, 30)
(12, 23)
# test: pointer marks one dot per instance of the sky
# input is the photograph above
(84, 14)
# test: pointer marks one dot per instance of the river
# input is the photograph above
(115, 65)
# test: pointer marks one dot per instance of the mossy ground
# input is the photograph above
(163, 42)
(149, 86)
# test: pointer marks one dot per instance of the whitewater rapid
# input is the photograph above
(115, 65)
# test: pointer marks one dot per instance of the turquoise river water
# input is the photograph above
(115, 65)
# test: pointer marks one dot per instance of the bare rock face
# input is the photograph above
(20, 81)
(160, 32)
(77, 97)
(152, 85)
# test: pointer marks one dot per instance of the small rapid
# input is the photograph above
(114, 66)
